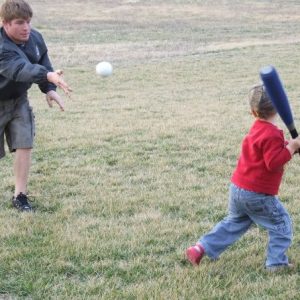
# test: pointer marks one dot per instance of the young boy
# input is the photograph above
(23, 60)
(254, 186)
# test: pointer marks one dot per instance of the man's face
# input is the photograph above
(18, 30)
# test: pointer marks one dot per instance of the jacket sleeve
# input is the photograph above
(276, 155)
(15, 67)
(46, 86)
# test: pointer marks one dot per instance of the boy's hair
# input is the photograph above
(260, 103)
(15, 9)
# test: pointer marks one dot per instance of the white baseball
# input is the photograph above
(104, 69)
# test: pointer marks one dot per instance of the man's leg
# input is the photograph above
(21, 170)
(18, 129)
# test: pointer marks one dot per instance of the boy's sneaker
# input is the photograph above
(21, 203)
(278, 268)
(195, 253)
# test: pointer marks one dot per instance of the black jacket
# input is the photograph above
(22, 65)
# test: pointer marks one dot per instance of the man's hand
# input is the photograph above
(53, 96)
(57, 79)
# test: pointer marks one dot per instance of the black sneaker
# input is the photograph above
(21, 203)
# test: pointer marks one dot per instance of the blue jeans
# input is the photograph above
(246, 208)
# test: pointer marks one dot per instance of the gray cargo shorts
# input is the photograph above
(16, 124)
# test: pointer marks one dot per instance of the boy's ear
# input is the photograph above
(255, 113)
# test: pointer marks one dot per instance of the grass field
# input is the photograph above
(139, 164)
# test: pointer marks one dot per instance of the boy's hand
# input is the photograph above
(294, 145)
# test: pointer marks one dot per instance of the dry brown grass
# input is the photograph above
(138, 165)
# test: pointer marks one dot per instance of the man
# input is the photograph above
(23, 61)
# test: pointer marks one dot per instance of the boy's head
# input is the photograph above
(15, 9)
(260, 103)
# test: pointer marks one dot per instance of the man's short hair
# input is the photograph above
(15, 9)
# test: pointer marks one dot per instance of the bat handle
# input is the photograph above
(294, 133)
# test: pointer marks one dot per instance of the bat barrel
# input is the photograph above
(275, 90)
